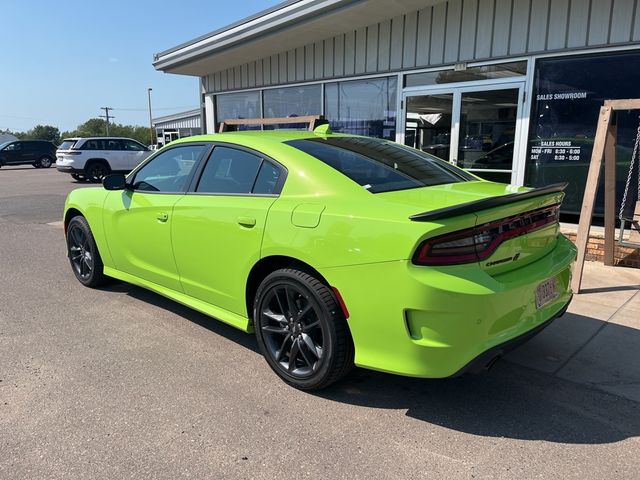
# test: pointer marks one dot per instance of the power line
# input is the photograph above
(106, 116)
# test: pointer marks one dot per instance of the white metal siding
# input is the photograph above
(190, 122)
(448, 32)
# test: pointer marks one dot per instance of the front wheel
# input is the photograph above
(301, 330)
(83, 253)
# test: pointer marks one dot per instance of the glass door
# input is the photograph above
(475, 127)
(428, 123)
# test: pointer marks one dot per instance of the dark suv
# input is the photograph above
(39, 153)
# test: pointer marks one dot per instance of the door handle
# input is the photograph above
(248, 222)
(162, 216)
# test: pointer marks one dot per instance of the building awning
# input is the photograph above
(288, 25)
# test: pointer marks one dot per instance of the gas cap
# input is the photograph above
(307, 215)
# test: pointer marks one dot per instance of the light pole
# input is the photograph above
(150, 118)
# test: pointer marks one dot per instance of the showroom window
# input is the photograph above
(362, 107)
(238, 105)
(567, 95)
(292, 102)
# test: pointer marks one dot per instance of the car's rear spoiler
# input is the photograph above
(486, 203)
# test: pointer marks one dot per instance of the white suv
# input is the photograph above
(95, 157)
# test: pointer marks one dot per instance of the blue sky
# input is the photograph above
(63, 60)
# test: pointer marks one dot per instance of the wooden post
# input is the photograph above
(610, 192)
(589, 200)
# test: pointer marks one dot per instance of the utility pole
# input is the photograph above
(150, 117)
(106, 116)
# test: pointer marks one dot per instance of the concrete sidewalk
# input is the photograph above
(597, 342)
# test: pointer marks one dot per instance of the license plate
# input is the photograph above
(546, 292)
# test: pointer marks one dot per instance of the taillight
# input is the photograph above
(478, 243)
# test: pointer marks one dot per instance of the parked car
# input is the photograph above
(39, 153)
(95, 157)
(335, 249)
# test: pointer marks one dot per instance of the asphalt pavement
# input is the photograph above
(122, 383)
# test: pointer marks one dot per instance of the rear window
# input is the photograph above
(379, 165)
(67, 144)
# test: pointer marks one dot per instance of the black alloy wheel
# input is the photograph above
(83, 253)
(96, 171)
(301, 330)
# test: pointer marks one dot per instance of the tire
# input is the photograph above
(45, 162)
(78, 177)
(96, 170)
(83, 254)
(312, 348)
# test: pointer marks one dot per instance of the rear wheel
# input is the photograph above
(95, 171)
(45, 162)
(301, 330)
(83, 253)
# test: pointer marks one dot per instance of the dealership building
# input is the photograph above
(509, 89)
(178, 125)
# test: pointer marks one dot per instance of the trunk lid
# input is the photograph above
(526, 219)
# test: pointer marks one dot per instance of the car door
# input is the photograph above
(13, 153)
(218, 226)
(138, 220)
(133, 153)
(115, 155)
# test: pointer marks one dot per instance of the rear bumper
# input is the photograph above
(486, 359)
(68, 169)
(435, 321)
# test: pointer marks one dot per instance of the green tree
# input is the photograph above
(39, 132)
(97, 127)
(44, 132)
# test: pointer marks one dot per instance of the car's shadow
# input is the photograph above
(509, 401)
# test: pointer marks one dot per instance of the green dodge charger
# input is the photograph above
(336, 250)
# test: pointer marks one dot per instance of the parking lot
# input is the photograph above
(122, 383)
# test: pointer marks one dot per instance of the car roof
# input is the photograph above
(253, 138)
(97, 138)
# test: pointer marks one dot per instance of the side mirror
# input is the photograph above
(115, 181)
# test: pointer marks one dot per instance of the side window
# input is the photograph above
(229, 171)
(267, 178)
(113, 144)
(168, 171)
(93, 145)
(14, 147)
(132, 146)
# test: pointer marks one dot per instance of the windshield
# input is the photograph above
(67, 144)
(380, 165)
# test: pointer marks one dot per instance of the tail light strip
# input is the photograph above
(478, 243)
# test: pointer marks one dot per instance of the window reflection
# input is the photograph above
(499, 70)
(567, 95)
(291, 102)
(238, 105)
(362, 107)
